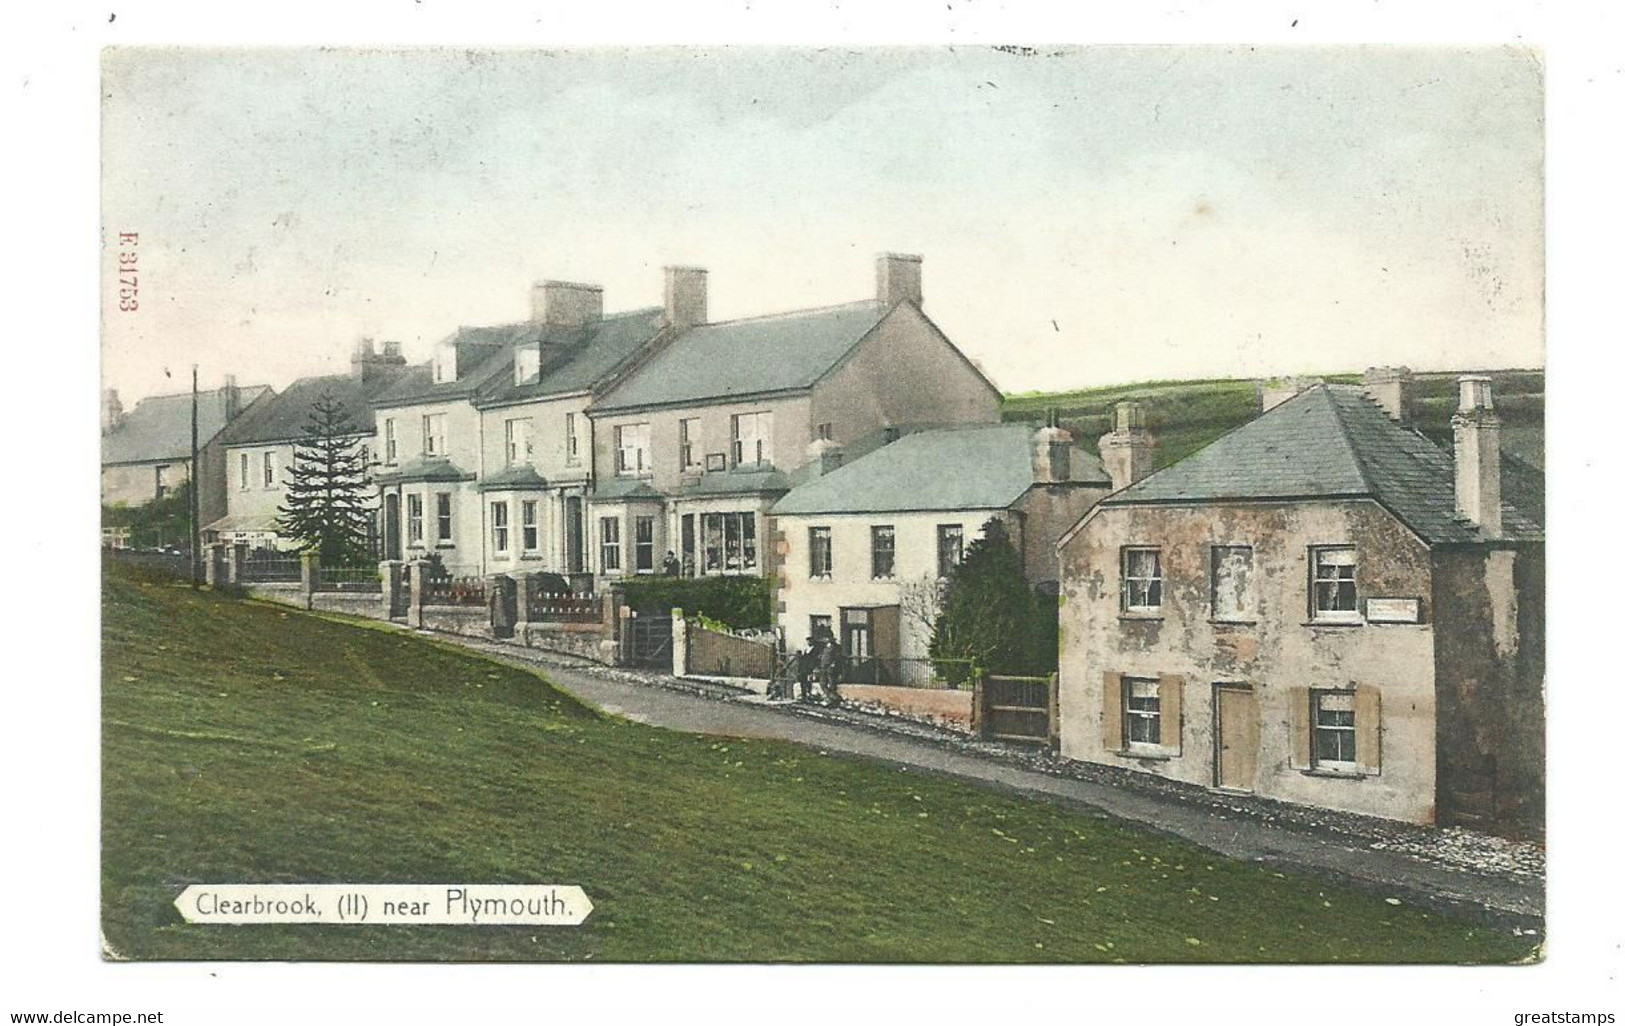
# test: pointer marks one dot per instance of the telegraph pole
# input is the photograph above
(192, 512)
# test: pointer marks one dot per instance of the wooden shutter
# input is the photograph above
(1368, 727)
(1112, 703)
(1171, 704)
(1301, 731)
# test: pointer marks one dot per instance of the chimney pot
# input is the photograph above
(566, 304)
(685, 297)
(897, 277)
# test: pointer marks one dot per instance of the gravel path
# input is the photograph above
(1498, 880)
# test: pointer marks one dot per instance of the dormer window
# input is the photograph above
(527, 366)
(445, 365)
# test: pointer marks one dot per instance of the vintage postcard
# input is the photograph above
(990, 504)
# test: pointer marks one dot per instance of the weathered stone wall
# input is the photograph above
(353, 603)
(939, 707)
(1278, 654)
(584, 640)
(714, 654)
(287, 593)
(473, 621)
(1047, 512)
(1491, 670)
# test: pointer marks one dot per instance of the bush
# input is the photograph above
(990, 618)
(743, 603)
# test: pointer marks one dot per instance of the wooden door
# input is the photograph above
(1236, 761)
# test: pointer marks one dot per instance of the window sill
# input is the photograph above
(1233, 623)
(1143, 616)
(1334, 623)
(1335, 774)
(445, 545)
(1146, 756)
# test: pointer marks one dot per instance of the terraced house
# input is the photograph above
(1321, 607)
(692, 449)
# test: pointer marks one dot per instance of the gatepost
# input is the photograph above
(389, 575)
(214, 568)
(1055, 712)
(414, 594)
(978, 698)
(521, 582)
(616, 627)
(310, 572)
(237, 572)
(679, 643)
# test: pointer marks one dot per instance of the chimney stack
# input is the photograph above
(112, 411)
(1478, 455)
(1052, 453)
(1126, 449)
(897, 277)
(1276, 391)
(823, 456)
(366, 364)
(1390, 388)
(685, 297)
(566, 304)
(233, 397)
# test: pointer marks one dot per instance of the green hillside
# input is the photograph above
(1184, 416)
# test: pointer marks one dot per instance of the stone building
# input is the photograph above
(1321, 607)
(696, 444)
(147, 451)
(866, 544)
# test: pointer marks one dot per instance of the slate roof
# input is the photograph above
(752, 481)
(283, 417)
(1334, 441)
(512, 478)
(624, 488)
(755, 356)
(424, 469)
(572, 360)
(160, 427)
(981, 466)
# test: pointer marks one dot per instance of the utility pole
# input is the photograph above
(196, 549)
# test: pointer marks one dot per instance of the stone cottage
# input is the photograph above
(1321, 607)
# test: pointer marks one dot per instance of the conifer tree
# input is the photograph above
(329, 504)
(989, 616)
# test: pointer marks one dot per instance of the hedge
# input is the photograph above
(743, 603)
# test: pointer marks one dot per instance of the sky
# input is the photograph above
(1086, 216)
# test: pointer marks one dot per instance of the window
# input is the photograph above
(389, 440)
(752, 438)
(820, 552)
(1334, 729)
(609, 543)
(529, 535)
(516, 436)
(632, 449)
(1233, 583)
(499, 527)
(442, 517)
(950, 548)
(1334, 596)
(1142, 712)
(160, 481)
(434, 434)
(820, 627)
(729, 541)
(268, 469)
(243, 472)
(688, 443)
(414, 519)
(572, 444)
(1142, 580)
(825, 432)
(882, 551)
(527, 366)
(643, 541)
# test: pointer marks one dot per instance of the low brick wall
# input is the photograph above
(289, 594)
(584, 640)
(939, 707)
(713, 654)
(472, 621)
(365, 604)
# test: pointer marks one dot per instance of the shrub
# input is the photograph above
(742, 603)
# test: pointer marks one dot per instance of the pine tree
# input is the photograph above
(989, 616)
(329, 505)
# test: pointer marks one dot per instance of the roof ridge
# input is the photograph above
(793, 313)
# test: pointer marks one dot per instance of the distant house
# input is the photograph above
(147, 451)
(698, 441)
(865, 544)
(259, 447)
(1321, 607)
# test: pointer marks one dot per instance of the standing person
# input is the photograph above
(829, 670)
(804, 667)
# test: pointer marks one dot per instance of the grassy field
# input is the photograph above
(1184, 416)
(249, 743)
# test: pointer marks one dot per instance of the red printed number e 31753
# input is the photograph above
(128, 272)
